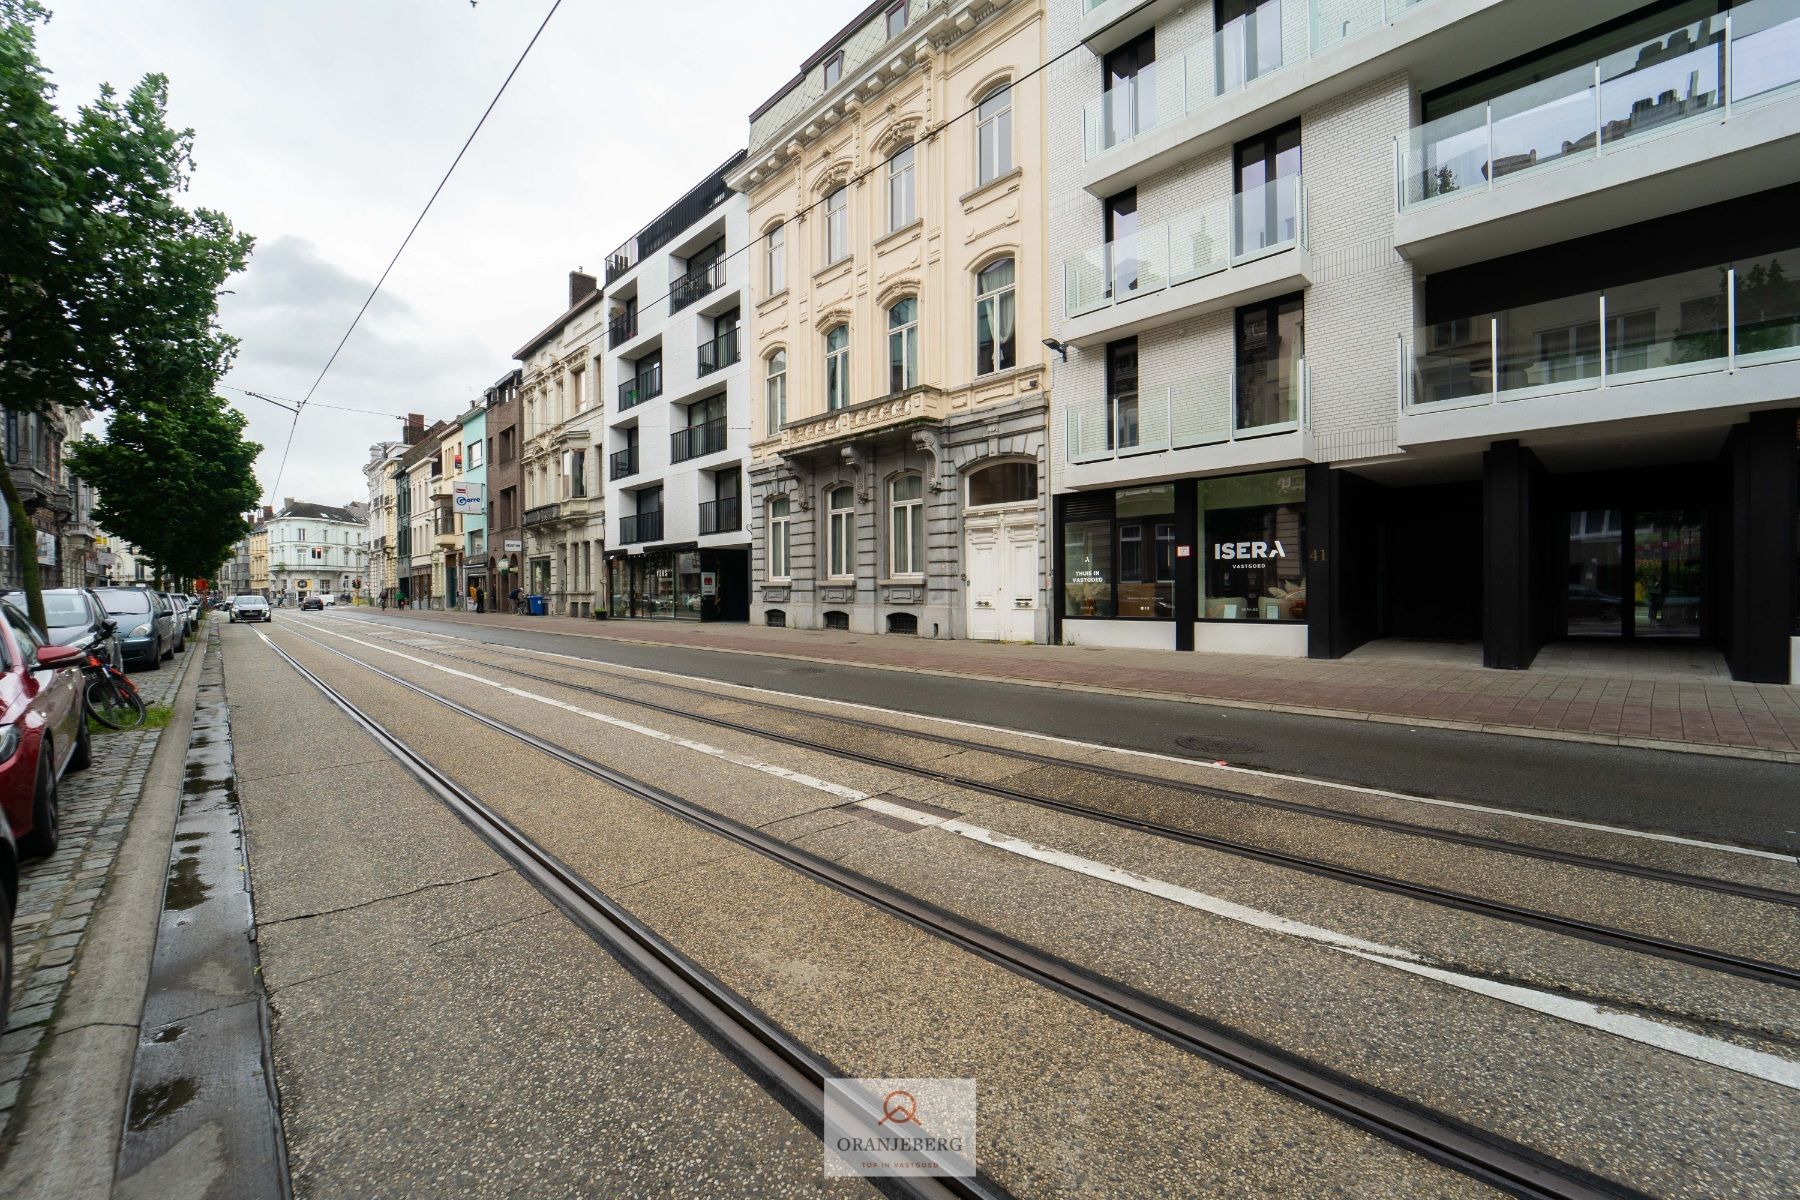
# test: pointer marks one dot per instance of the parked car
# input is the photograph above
(9, 904)
(178, 607)
(146, 625)
(194, 608)
(76, 617)
(249, 607)
(312, 604)
(43, 730)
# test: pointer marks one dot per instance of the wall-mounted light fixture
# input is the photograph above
(1058, 347)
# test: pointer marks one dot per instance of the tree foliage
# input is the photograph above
(109, 288)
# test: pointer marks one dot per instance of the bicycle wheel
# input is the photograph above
(114, 706)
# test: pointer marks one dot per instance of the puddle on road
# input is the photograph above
(168, 1033)
(185, 888)
(150, 1105)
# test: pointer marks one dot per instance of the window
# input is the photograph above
(1270, 349)
(896, 18)
(1247, 41)
(1146, 524)
(834, 70)
(1253, 547)
(841, 503)
(775, 392)
(1268, 209)
(903, 345)
(906, 544)
(1129, 80)
(993, 135)
(778, 537)
(994, 345)
(1004, 483)
(837, 367)
(472, 454)
(900, 189)
(775, 260)
(837, 226)
(1122, 394)
(575, 467)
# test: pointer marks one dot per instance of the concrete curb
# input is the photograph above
(1338, 714)
(68, 1130)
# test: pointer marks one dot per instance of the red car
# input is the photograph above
(43, 729)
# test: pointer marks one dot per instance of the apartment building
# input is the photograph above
(418, 478)
(1446, 319)
(505, 478)
(58, 504)
(379, 575)
(258, 546)
(896, 188)
(560, 411)
(315, 549)
(677, 400)
(470, 501)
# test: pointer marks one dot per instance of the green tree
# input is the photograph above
(108, 286)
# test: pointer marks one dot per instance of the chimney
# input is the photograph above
(287, 502)
(415, 428)
(581, 286)
(268, 513)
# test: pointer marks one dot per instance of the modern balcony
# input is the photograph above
(697, 440)
(543, 514)
(719, 353)
(1226, 408)
(1107, 24)
(1703, 112)
(622, 328)
(720, 516)
(642, 527)
(884, 416)
(708, 277)
(1635, 351)
(639, 388)
(623, 463)
(621, 260)
(1215, 257)
(1270, 66)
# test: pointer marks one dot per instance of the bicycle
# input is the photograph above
(112, 699)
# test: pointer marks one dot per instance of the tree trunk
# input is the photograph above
(24, 534)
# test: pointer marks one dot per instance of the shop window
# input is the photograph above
(837, 619)
(1087, 556)
(1253, 543)
(1004, 483)
(774, 618)
(1145, 556)
(902, 623)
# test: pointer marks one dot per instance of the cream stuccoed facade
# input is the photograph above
(898, 458)
(378, 473)
(316, 549)
(561, 423)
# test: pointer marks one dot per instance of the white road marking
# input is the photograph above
(1566, 822)
(1768, 1067)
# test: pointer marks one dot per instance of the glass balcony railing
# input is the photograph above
(1197, 243)
(1251, 47)
(1711, 319)
(1693, 72)
(1203, 410)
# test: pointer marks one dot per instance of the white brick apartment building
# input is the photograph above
(677, 411)
(1448, 319)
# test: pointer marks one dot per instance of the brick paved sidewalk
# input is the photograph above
(57, 895)
(1664, 711)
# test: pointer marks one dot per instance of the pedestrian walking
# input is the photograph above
(480, 599)
(383, 599)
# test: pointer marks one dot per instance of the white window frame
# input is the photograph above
(907, 334)
(837, 370)
(901, 194)
(775, 259)
(836, 61)
(775, 391)
(995, 301)
(841, 531)
(993, 136)
(472, 454)
(837, 226)
(906, 552)
(780, 518)
(897, 9)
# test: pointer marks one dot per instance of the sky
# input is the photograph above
(321, 127)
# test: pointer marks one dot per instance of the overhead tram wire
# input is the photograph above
(857, 178)
(290, 405)
(404, 242)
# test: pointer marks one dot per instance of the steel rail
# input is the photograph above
(1480, 1154)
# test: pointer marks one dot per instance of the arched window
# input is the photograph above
(841, 506)
(906, 513)
(1003, 483)
(778, 537)
(993, 135)
(837, 367)
(995, 348)
(903, 345)
(775, 392)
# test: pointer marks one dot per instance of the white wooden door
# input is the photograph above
(1021, 551)
(1003, 577)
(986, 583)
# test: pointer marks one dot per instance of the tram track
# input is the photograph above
(1499, 1162)
(1666, 949)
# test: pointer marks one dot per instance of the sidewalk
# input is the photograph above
(1645, 709)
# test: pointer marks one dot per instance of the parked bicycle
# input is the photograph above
(112, 699)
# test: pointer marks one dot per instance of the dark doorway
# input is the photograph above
(1636, 573)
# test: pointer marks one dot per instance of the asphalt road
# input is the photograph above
(1744, 801)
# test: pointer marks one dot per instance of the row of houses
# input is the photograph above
(1270, 326)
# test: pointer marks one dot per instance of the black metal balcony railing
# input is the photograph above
(695, 440)
(722, 351)
(622, 328)
(720, 516)
(542, 513)
(639, 388)
(621, 261)
(644, 527)
(624, 463)
(696, 283)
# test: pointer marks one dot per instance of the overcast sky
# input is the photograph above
(322, 126)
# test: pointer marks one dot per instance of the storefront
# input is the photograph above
(680, 584)
(1207, 564)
